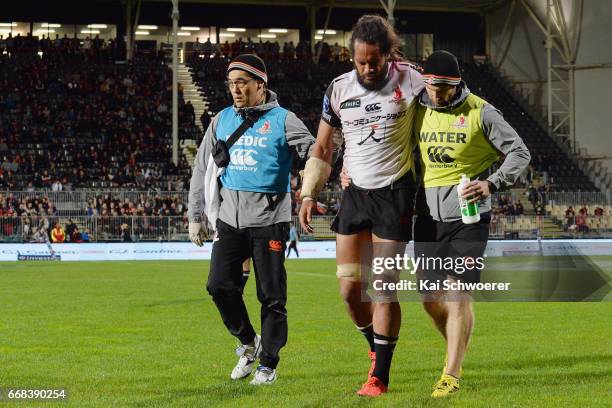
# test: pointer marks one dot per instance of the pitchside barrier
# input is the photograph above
(74, 203)
(308, 250)
(175, 229)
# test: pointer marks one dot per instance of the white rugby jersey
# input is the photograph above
(376, 125)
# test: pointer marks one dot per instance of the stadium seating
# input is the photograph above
(86, 121)
(582, 223)
(300, 85)
(546, 156)
(74, 120)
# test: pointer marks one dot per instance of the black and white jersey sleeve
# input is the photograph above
(330, 112)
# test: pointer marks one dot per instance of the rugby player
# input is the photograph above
(374, 106)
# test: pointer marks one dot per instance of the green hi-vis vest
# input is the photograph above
(453, 143)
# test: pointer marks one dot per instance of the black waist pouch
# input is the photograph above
(220, 152)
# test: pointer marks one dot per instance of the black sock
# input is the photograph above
(368, 332)
(384, 347)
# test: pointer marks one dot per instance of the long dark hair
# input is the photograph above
(374, 29)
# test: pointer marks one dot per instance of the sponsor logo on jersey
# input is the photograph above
(243, 157)
(373, 107)
(374, 119)
(351, 103)
(265, 128)
(460, 122)
(438, 154)
(372, 135)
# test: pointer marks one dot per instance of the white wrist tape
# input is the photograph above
(316, 173)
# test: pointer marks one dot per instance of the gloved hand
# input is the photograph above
(197, 233)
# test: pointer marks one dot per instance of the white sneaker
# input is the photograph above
(248, 356)
(264, 376)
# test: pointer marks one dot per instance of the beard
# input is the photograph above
(379, 82)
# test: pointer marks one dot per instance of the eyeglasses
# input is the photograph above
(240, 83)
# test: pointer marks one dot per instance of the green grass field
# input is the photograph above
(146, 334)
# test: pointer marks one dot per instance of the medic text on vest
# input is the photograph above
(247, 140)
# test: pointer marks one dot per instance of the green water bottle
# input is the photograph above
(469, 212)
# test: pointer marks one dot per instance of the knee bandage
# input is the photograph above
(350, 271)
(382, 293)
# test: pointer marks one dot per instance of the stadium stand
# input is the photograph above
(73, 118)
(300, 84)
(82, 136)
(546, 157)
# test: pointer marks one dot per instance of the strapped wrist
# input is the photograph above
(316, 173)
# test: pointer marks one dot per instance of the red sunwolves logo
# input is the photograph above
(460, 122)
(265, 128)
(398, 95)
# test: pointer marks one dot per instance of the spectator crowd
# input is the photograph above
(73, 118)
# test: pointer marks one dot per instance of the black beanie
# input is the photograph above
(442, 68)
(250, 63)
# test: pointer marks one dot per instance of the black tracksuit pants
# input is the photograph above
(266, 245)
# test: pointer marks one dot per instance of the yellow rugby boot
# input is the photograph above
(446, 385)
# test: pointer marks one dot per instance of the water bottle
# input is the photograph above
(469, 212)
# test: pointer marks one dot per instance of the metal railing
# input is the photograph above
(74, 203)
(516, 227)
(576, 198)
(585, 224)
(559, 197)
(98, 229)
(109, 229)
(82, 195)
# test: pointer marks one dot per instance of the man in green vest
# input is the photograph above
(457, 133)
